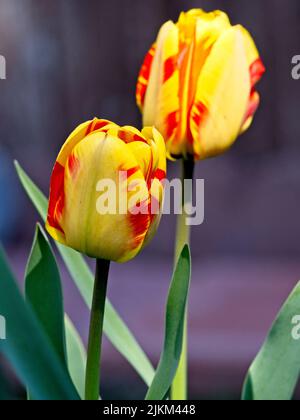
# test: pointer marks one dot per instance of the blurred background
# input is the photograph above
(70, 60)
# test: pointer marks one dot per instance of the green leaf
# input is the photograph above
(28, 348)
(76, 356)
(114, 327)
(274, 373)
(175, 315)
(43, 291)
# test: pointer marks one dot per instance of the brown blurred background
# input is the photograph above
(71, 60)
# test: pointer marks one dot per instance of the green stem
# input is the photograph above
(92, 383)
(180, 384)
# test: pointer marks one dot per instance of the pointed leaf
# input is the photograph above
(274, 373)
(76, 355)
(175, 315)
(43, 291)
(28, 348)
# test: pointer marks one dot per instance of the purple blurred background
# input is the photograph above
(70, 60)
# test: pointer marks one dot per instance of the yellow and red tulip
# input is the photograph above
(101, 150)
(197, 83)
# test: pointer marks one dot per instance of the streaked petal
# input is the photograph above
(143, 155)
(161, 101)
(252, 108)
(251, 49)
(131, 134)
(56, 204)
(202, 15)
(257, 69)
(198, 31)
(143, 78)
(158, 177)
(113, 236)
(79, 134)
(222, 96)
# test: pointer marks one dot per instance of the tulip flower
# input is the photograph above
(99, 150)
(197, 84)
(101, 154)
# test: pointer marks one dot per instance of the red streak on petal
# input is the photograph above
(154, 205)
(144, 76)
(253, 105)
(129, 137)
(170, 67)
(73, 164)
(57, 197)
(160, 175)
(200, 114)
(172, 122)
(257, 69)
(132, 171)
(140, 223)
(97, 125)
(129, 172)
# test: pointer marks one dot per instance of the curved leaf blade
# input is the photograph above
(28, 348)
(175, 315)
(275, 371)
(114, 327)
(76, 356)
(44, 292)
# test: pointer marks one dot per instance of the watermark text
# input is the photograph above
(2, 328)
(138, 197)
(2, 68)
(296, 328)
(296, 67)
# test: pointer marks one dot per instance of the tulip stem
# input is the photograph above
(92, 383)
(179, 390)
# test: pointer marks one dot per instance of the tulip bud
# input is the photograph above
(133, 163)
(197, 84)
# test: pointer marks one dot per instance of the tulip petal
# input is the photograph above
(222, 96)
(57, 193)
(131, 134)
(161, 100)
(152, 162)
(159, 151)
(117, 237)
(143, 78)
(257, 69)
(251, 49)
(201, 14)
(208, 28)
(198, 31)
(79, 134)
(252, 108)
(158, 177)
(143, 155)
(56, 204)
